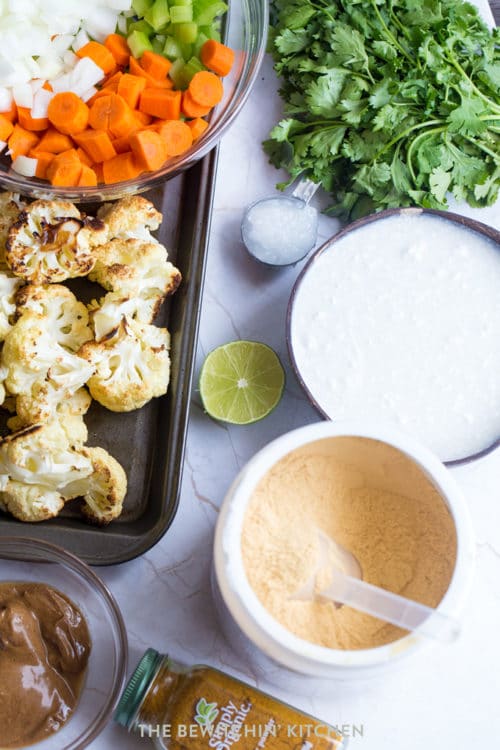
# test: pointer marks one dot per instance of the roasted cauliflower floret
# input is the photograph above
(44, 404)
(9, 285)
(107, 313)
(132, 365)
(30, 502)
(10, 208)
(129, 218)
(104, 490)
(44, 455)
(51, 241)
(135, 268)
(40, 371)
(67, 318)
(3, 392)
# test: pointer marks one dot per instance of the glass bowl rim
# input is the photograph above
(21, 546)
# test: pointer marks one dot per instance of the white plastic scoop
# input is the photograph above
(281, 230)
(345, 586)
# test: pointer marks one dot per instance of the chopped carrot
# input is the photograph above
(99, 54)
(150, 149)
(88, 177)
(111, 83)
(120, 168)
(68, 113)
(43, 159)
(84, 157)
(206, 89)
(177, 137)
(54, 142)
(112, 113)
(96, 144)
(47, 86)
(6, 128)
(121, 144)
(11, 114)
(29, 122)
(217, 57)
(65, 169)
(190, 108)
(154, 64)
(143, 118)
(151, 81)
(97, 95)
(98, 171)
(130, 88)
(198, 127)
(118, 47)
(21, 142)
(161, 103)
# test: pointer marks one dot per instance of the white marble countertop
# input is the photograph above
(447, 698)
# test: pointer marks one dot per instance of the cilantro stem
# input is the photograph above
(419, 137)
(452, 59)
(389, 34)
(405, 133)
(484, 148)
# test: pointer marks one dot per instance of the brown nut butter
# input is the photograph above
(44, 649)
(200, 708)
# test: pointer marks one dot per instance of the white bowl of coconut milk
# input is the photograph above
(397, 318)
(381, 495)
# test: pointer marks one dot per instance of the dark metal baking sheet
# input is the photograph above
(149, 442)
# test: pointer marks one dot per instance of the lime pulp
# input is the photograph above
(241, 382)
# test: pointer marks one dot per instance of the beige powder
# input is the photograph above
(371, 499)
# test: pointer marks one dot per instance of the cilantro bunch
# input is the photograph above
(388, 103)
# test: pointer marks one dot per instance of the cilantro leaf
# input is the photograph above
(388, 103)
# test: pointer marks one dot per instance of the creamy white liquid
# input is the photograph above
(400, 321)
(280, 231)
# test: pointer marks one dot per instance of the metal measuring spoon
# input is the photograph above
(281, 230)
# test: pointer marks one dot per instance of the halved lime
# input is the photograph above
(241, 382)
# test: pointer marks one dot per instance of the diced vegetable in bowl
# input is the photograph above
(117, 101)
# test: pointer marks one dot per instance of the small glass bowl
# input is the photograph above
(29, 560)
(246, 26)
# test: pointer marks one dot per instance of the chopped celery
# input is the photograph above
(186, 33)
(142, 26)
(175, 73)
(157, 45)
(181, 2)
(186, 50)
(198, 44)
(181, 13)
(205, 11)
(138, 43)
(172, 48)
(141, 6)
(191, 67)
(158, 15)
(210, 32)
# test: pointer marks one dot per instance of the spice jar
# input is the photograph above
(179, 706)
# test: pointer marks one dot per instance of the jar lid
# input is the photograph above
(136, 688)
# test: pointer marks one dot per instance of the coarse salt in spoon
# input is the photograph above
(345, 586)
(281, 230)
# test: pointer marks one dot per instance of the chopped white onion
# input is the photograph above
(38, 37)
(25, 165)
(80, 40)
(41, 103)
(88, 94)
(23, 94)
(5, 99)
(36, 84)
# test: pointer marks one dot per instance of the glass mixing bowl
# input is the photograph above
(28, 560)
(246, 25)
